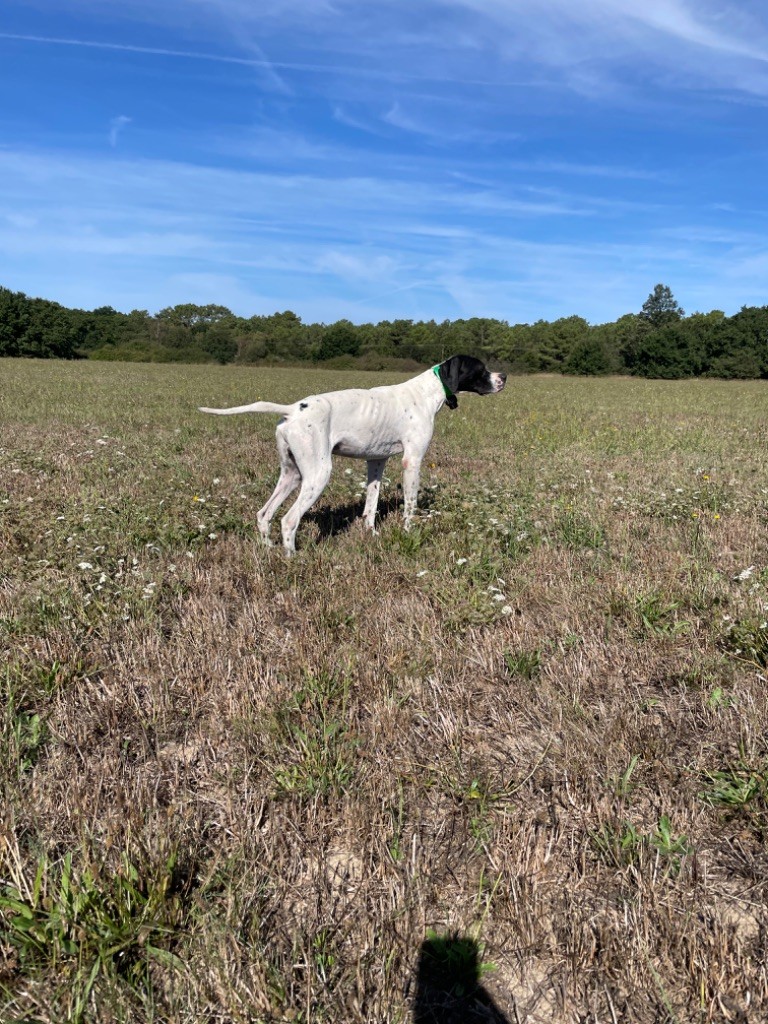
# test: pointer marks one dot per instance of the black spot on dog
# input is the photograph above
(303, 405)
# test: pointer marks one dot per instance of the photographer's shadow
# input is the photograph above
(448, 985)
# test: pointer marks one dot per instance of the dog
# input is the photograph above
(371, 424)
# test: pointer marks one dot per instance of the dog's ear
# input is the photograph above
(450, 376)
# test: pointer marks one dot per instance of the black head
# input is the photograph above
(465, 373)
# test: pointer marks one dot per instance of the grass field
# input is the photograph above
(510, 766)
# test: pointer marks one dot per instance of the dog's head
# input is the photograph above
(465, 373)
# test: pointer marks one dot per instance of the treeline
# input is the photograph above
(658, 341)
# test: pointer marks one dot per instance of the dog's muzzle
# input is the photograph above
(498, 380)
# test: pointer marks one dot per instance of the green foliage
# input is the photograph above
(658, 615)
(665, 843)
(523, 664)
(659, 341)
(592, 357)
(90, 923)
(748, 640)
(318, 750)
(741, 790)
(340, 339)
(622, 785)
(618, 845)
(576, 531)
(661, 307)
(622, 845)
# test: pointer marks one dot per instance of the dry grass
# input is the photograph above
(511, 766)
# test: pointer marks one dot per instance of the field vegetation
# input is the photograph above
(509, 766)
(658, 341)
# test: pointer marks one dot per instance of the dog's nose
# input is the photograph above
(503, 378)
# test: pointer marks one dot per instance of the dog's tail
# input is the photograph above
(281, 410)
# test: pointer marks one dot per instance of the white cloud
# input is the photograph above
(327, 246)
(116, 126)
(356, 266)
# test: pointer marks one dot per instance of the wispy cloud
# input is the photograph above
(272, 238)
(711, 45)
(382, 73)
(116, 126)
(442, 132)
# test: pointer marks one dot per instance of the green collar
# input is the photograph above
(436, 371)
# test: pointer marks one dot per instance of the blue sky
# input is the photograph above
(343, 158)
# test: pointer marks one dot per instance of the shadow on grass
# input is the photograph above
(448, 988)
(332, 520)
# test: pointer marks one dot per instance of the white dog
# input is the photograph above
(362, 424)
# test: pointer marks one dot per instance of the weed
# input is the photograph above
(718, 698)
(622, 845)
(747, 639)
(739, 788)
(666, 844)
(315, 739)
(622, 785)
(618, 845)
(576, 531)
(523, 664)
(88, 924)
(405, 542)
(658, 615)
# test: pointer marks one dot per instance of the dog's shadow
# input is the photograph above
(448, 988)
(331, 520)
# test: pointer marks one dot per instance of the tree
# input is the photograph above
(592, 357)
(665, 353)
(661, 307)
(14, 320)
(340, 339)
(189, 314)
(52, 331)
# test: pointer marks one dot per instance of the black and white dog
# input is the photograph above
(362, 424)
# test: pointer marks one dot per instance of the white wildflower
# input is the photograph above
(745, 573)
(84, 565)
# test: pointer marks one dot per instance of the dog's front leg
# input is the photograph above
(411, 473)
(375, 473)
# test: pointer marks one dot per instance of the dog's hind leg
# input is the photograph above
(289, 480)
(314, 479)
